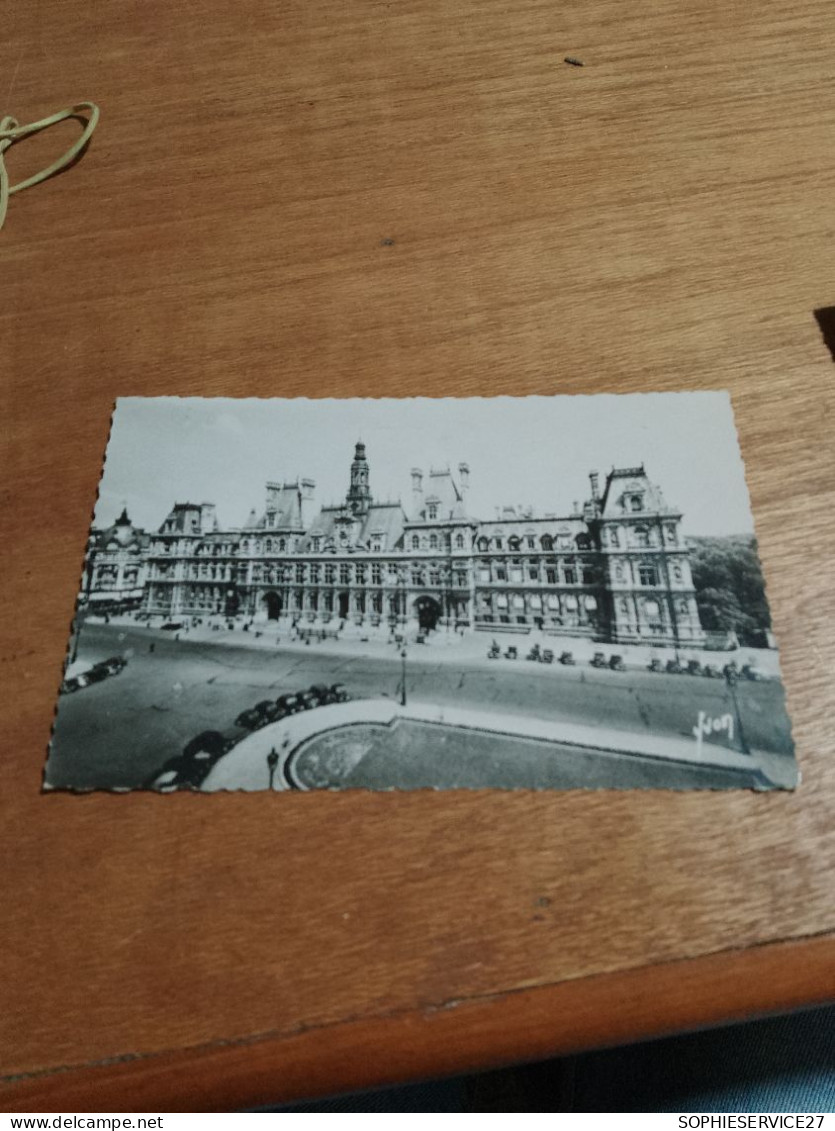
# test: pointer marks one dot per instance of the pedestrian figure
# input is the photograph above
(151, 646)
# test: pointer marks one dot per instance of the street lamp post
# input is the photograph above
(403, 677)
(730, 679)
(401, 595)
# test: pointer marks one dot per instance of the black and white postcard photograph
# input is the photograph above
(509, 593)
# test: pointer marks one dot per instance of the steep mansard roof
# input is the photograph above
(284, 507)
(441, 489)
(625, 483)
(383, 519)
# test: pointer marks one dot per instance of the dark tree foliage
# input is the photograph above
(730, 590)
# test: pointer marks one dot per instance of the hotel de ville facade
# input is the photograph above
(615, 569)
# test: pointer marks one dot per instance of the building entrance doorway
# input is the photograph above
(273, 604)
(428, 613)
(344, 606)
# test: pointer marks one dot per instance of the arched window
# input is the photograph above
(547, 542)
(459, 541)
(269, 546)
(433, 541)
(415, 542)
(636, 503)
(483, 545)
(641, 536)
(282, 544)
(514, 543)
(433, 510)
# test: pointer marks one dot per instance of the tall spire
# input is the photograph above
(359, 493)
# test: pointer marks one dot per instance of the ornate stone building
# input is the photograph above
(115, 568)
(614, 569)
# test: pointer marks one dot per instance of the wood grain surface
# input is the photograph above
(661, 218)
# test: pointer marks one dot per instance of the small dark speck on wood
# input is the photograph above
(387, 243)
(572, 62)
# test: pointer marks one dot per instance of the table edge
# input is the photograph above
(471, 1035)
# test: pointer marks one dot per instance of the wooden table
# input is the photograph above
(661, 218)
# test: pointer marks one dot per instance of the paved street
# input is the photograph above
(116, 733)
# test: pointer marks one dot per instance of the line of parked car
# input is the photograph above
(191, 768)
(95, 674)
(731, 672)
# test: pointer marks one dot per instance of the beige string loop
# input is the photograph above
(12, 131)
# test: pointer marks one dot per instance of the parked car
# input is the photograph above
(694, 667)
(547, 656)
(675, 667)
(655, 665)
(97, 673)
(257, 716)
(173, 625)
(198, 757)
(210, 742)
(512, 652)
(289, 704)
(711, 671)
(74, 683)
(616, 664)
(336, 693)
(567, 658)
(599, 660)
(751, 671)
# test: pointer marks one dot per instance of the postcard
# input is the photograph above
(506, 593)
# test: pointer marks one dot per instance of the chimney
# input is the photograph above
(306, 489)
(594, 479)
(208, 518)
(464, 473)
(417, 489)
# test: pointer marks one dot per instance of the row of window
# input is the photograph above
(532, 601)
(569, 574)
(357, 573)
(651, 608)
(648, 573)
(637, 536)
(641, 536)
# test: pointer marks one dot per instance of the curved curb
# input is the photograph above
(245, 767)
